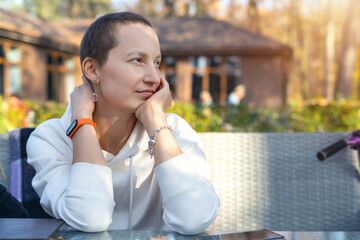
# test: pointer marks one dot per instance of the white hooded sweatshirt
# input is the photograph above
(130, 193)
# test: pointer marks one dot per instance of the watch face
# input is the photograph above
(72, 127)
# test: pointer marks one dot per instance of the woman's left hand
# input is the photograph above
(152, 112)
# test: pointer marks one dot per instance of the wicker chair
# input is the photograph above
(5, 158)
(274, 181)
(18, 172)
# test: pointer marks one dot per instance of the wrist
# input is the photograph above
(76, 124)
(152, 118)
(153, 137)
(155, 123)
(81, 115)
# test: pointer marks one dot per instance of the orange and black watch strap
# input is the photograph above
(74, 126)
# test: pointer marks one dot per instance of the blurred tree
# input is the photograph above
(149, 8)
(233, 11)
(347, 50)
(183, 8)
(201, 9)
(322, 33)
(253, 16)
(85, 8)
(58, 9)
(298, 38)
(176, 8)
(329, 51)
(161, 8)
(169, 6)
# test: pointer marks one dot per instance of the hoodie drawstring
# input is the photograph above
(131, 193)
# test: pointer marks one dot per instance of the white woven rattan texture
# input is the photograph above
(274, 181)
(5, 158)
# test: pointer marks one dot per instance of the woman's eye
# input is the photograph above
(138, 60)
(157, 63)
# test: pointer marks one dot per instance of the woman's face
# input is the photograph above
(131, 73)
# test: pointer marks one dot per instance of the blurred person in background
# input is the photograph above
(206, 99)
(237, 95)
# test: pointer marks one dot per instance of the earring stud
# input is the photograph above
(95, 80)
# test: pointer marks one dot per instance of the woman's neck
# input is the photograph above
(113, 128)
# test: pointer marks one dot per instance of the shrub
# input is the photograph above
(243, 119)
(321, 115)
(15, 113)
(202, 119)
(41, 112)
(315, 115)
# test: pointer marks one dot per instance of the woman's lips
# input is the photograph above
(146, 93)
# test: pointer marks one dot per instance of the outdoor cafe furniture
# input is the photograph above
(264, 180)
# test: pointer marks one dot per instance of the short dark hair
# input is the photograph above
(100, 36)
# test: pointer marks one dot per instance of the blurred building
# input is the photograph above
(40, 59)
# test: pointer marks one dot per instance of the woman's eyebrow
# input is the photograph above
(142, 54)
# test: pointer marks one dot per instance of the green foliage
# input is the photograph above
(13, 114)
(320, 115)
(202, 119)
(243, 119)
(17, 114)
(43, 111)
(315, 115)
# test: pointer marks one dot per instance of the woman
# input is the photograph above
(112, 175)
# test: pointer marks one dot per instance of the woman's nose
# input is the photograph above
(152, 74)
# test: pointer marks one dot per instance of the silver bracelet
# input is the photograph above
(153, 138)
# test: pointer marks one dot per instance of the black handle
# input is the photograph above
(330, 150)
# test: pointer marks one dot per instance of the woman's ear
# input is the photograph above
(90, 70)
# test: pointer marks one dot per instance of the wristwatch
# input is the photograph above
(76, 124)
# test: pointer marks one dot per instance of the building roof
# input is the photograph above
(178, 36)
(184, 36)
(22, 27)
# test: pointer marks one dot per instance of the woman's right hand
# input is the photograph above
(82, 103)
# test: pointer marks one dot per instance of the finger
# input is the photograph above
(162, 83)
(165, 84)
(137, 113)
(85, 81)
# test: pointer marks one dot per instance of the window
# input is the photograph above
(10, 70)
(217, 75)
(196, 87)
(199, 65)
(215, 87)
(169, 72)
(233, 73)
(15, 80)
(212, 76)
(61, 77)
(13, 57)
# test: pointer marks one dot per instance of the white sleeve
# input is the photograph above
(81, 194)
(190, 203)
